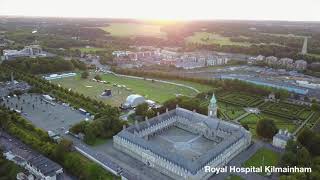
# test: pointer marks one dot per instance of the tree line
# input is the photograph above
(45, 65)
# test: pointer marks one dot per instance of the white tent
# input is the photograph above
(133, 100)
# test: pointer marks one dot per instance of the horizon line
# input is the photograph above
(156, 19)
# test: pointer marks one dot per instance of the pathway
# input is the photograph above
(303, 124)
(242, 116)
(156, 80)
(305, 46)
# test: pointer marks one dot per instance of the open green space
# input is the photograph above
(234, 177)
(87, 49)
(121, 87)
(212, 38)
(263, 157)
(230, 111)
(284, 35)
(240, 99)
(314, 55)
(134, 29)
(286, 110)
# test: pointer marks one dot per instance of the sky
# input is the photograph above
(292, 10)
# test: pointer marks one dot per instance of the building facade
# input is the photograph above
(281, 138)
(228, 139)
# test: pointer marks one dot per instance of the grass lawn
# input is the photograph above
(212, 38)
(250, 119)
(234, 177)
(281, 123)
(200, 87)
(315, 55)
(230, 110)
(263, 157)
(87, 50)
(134, 29)
(156, 91)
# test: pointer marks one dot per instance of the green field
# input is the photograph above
(230, 111)
(134, 29)
(87, 50)
(263, 157)
(234, 177)
(156, 91)
(212, 38)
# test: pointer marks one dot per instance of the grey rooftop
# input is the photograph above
(236, 133)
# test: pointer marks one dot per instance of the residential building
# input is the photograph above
(300, 64)
(281, 138)
(271, 60)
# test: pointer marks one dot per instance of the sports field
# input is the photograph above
(212, 38)
(134, 29)
(121, 87)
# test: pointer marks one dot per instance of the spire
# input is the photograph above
(212, 108)
(213, 100)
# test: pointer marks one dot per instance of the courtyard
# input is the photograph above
(182, 142)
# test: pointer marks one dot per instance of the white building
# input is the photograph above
(281, 138)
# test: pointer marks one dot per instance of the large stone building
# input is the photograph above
(28, 51)
(181, 143)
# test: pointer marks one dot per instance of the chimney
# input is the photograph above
(177, 106)
(124, 127)
(158, 113)
(194, 111)
(167, 110)
(136, 124)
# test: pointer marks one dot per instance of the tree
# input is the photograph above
(141, 109)
(85, 75)
(98, 77)
(288, 159)
(266, 128)
(150, 113)
(245, 126)
(303, 157)
(315, 106)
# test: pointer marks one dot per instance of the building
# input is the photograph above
(181, 143)
(281, 138)
(28, 51)
(286, 62)
(59, 76)
(271, 60)
(260, 58)
(133, 100)
(213, 107)
(300, 64)
(36, 164)
(13, 86)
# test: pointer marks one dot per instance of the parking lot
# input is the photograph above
(44, 114)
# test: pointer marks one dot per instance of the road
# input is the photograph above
(305, 46)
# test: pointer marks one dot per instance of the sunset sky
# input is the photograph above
(296, 10)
